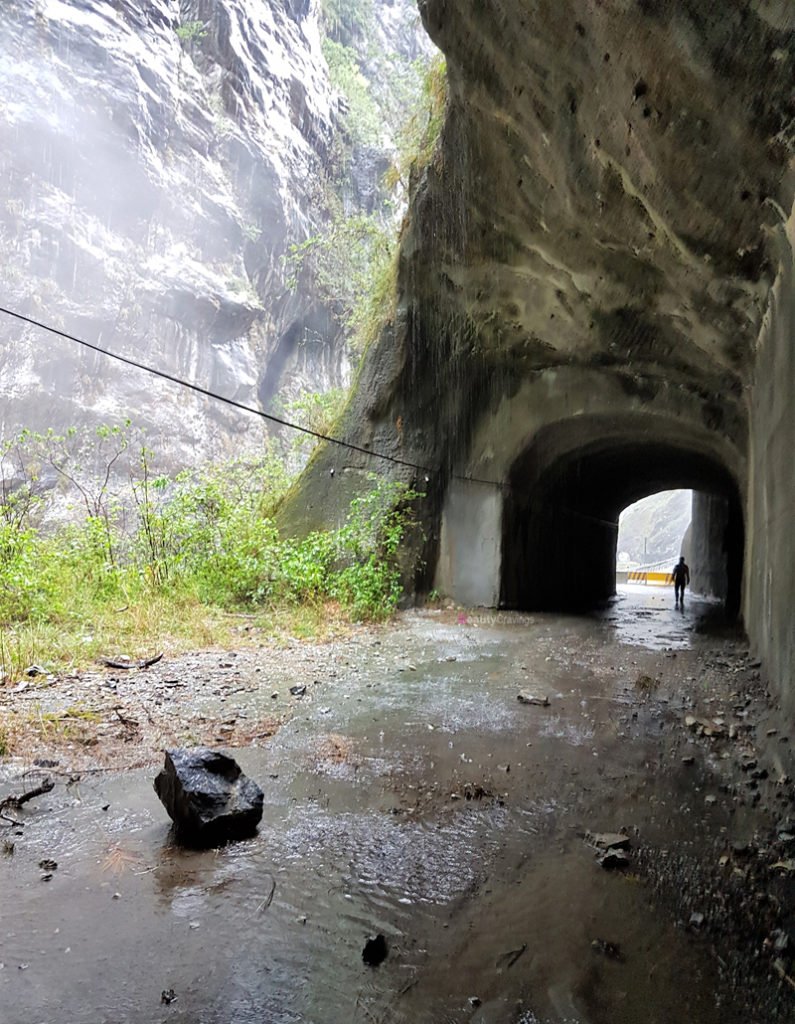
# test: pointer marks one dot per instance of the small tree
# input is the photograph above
(20, 485)
(90, 461)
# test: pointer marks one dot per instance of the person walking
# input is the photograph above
(681, 578)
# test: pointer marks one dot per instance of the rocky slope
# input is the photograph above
(157, 161)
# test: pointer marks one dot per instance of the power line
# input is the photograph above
(235, 404)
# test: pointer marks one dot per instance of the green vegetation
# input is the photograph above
(418, 138)
(190, 32)
(347, 20)
(352, 267)
(393, 104)
(363, 121)
(318, 411)
(145, 560)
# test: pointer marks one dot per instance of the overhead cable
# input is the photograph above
(319, 435)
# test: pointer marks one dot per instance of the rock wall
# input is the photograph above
(770, 562)
(152, 179)
(146, 193)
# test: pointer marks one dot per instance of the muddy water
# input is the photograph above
(414, 796)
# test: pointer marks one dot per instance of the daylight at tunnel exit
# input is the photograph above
(397, 555)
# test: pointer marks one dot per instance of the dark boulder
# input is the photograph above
(208, 797)
(375, 951)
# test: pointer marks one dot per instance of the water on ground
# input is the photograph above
(414, 796)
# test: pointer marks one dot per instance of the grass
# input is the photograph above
(173, 623)
(181, 564)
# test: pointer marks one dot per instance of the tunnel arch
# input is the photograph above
(565, 493)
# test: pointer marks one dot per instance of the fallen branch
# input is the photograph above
(129, 722)
(268, 899)
(146, 663)
(508, 959)
(18, 801)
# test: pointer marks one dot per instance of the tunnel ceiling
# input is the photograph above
(608, 475)
(608, 462)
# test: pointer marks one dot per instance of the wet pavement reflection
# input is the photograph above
(417, 798)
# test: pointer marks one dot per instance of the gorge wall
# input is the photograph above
(157, 161)
(595, 299)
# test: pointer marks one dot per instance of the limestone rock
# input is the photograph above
(208, 797)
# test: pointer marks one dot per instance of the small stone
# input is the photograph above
(608, 840)
(688, 760)
(168, 996)
(710, 800)
(696, 919)
(613, 859)
(609, 949)
(375, 951)
(529, 698)
(298, 691)
(474, 1001)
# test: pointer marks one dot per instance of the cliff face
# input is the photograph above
(587, 267)
(157, 160)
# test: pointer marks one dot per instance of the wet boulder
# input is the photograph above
(208, 797)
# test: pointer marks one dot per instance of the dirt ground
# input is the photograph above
(121, 718)
(410, 791)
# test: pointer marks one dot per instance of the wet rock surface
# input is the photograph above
(367, 831)
(208, 797)
(152, 185)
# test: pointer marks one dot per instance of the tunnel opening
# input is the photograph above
(561, 514)
(651, 532)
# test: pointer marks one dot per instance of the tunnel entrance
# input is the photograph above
(560, 522)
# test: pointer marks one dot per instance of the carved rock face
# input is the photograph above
(619, 169)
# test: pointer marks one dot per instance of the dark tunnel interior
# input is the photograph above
(560, 525)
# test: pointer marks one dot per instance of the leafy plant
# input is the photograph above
(362, 119)
(418, 137)
(190, 32)
(347, 20)
(350, 265)
(187, 548)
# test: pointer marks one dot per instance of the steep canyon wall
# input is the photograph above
(157, 161)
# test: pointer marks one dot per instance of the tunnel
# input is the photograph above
(562, 504)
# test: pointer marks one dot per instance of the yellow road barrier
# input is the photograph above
(658, 579)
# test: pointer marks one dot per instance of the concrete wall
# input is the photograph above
(706, 553)
(770, 517)
(469, 565)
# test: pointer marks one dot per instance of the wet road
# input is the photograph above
(414, 796)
